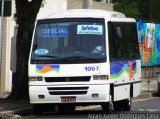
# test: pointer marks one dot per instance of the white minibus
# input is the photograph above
(84, 57)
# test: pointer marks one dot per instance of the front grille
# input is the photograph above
(68, 93)
(68, 79)
(67, 90)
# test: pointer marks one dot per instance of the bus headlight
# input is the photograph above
(100, 77)
(35, 78)
(95, 77)
(32, 78)
(39, 78)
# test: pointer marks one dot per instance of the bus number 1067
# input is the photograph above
(91, 68)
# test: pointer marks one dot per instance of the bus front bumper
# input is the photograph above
(69, 94)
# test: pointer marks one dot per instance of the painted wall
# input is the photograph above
(149, 43)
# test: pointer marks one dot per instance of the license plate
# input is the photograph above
(68, 99)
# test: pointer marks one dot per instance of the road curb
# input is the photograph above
(6, 114)
(15, 114)
(146, 95)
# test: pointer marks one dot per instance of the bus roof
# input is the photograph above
(88, 13)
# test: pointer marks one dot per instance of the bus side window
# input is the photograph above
(119, 41)
(119, 33)
(123, 41)
(111, 41)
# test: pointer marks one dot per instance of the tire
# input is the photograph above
(117, 106)
(71, 109)
(38, 109)
(66, 109)
(107, 107)
(124, 105)
(62, 109)
(127, 104)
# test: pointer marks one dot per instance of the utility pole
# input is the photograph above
(87, 4)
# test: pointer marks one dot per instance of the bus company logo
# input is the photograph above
(89, 29)
(42, 69)
(67, 79)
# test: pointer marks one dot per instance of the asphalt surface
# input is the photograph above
(141, 109)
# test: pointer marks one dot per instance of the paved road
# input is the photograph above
(141, 109)
(149, 105)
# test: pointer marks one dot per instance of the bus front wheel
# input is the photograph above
(38, 109)
(124, 105)
(107, 107)
(64, 109)
(127, 104)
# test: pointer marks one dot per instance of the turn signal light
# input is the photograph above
(32, 78)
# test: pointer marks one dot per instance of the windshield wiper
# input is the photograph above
(54, 57)
(50, 56)
(70, 58)
(82, 57)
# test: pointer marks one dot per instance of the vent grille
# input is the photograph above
(67, 90)
(68, 93)
(68, 79)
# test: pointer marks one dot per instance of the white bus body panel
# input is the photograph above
(121, 92)
(136, 89)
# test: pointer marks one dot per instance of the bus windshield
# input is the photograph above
(69, 41)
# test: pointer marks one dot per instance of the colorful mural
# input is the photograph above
(149, 43)
(41, 69)
(157, 45)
